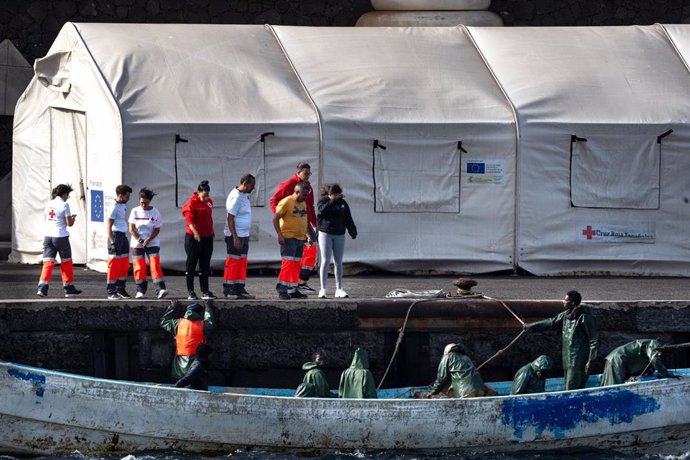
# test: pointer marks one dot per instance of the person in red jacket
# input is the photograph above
(198, 239)
(310, 251)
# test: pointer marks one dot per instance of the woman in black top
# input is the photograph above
(332, 220)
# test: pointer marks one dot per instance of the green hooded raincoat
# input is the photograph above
(630, 360)
(316, 378)
(357, 381)
(457, 369)
(527, 379)
(169, 323)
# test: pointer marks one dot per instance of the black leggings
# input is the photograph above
(198, 252)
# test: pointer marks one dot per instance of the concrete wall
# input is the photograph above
(258, 344)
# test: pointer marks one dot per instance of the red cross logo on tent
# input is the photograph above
(588, 232)
(51, 214)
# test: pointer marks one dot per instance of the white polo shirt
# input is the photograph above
(239, 206)
(55, 212)
(145, 222)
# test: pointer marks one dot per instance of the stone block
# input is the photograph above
(38, 317)
(323, 316)
(156, 349)
(616, 316)
(52, 350)
(252, 316)
(668, 319)
(109, 317)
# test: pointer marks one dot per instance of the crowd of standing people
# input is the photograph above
(300, 233)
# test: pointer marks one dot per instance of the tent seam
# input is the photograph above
(308, 94)
(517, 138)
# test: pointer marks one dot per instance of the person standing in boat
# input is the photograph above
(189, 331)
(196, 377)
(314, 384)
(237, 227)
(531, 377)
(580, 338)
(58, 217)
(357, 381)
(631, 360)
(310, 248)
(457, 373)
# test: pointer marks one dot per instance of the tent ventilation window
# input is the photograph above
(416, 176)
(221, 160)
(619, 171)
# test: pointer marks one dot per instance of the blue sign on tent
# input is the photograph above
(97, 206)
(475, 168)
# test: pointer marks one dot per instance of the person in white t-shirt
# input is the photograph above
(145, 224)
(237, 228)
(58, 217)
(118, 246)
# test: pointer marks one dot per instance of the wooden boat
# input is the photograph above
(48, 412)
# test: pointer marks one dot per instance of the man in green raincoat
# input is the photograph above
(357, 381)
(457, 370)
(630, 360)
(530, 378)
(580, 338)
(314, 384)
(189, 331)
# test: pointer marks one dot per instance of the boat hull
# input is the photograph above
(45, 412)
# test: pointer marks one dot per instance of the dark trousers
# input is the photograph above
(198, 252)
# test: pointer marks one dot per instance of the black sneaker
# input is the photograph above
(284, 296)
(208, 296)
(121, 293)
(192, 296)
(71, 291)
(305, 287)
(245, 296)
(42, 291)
(297, 295)
(114, 296)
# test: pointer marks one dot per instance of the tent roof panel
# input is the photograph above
(192, 73)
(400, 75)
(588, 74)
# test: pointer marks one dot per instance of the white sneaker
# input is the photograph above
(162, 293)
(139, 295)
(322, 294)
(340, 294)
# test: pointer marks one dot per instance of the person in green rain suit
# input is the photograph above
(357, 380)
(314, 384)
(189, 331)
(457, 371)
(580, 338)
(630, 360)
(530, 378)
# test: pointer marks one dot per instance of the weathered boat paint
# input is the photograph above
(47, 412)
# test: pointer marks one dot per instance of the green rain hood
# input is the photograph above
(357, 381)
(527, 379)
(630, 360)
(457, 369)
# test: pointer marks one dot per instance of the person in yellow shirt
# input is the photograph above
(290, 223)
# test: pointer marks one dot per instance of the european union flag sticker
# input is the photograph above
(97, 211)
(476, 168)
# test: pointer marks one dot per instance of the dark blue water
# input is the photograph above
(253, 455)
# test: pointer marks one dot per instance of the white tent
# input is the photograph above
(117, 98)
(558, 150)
(425, 95)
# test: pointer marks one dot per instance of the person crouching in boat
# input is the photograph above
(631, 360)
(314, 384)
(189, 331)
(197, 374)
(531, 377)
(457, 377)
(357, 381)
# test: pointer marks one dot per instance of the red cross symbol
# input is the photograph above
(52, 214)
(588, 232)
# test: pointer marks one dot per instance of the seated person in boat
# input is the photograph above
(189, 331)
(631, 360)
(197, 374)
(457, 377)
(314, 384)
(531, 377)
(357, 381)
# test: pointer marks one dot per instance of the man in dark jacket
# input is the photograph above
(457, 371)
(314, 384)
(357, 381)
(530, 378)
(630, 360)
(580, 339)
(197, 374)
(189, 331)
